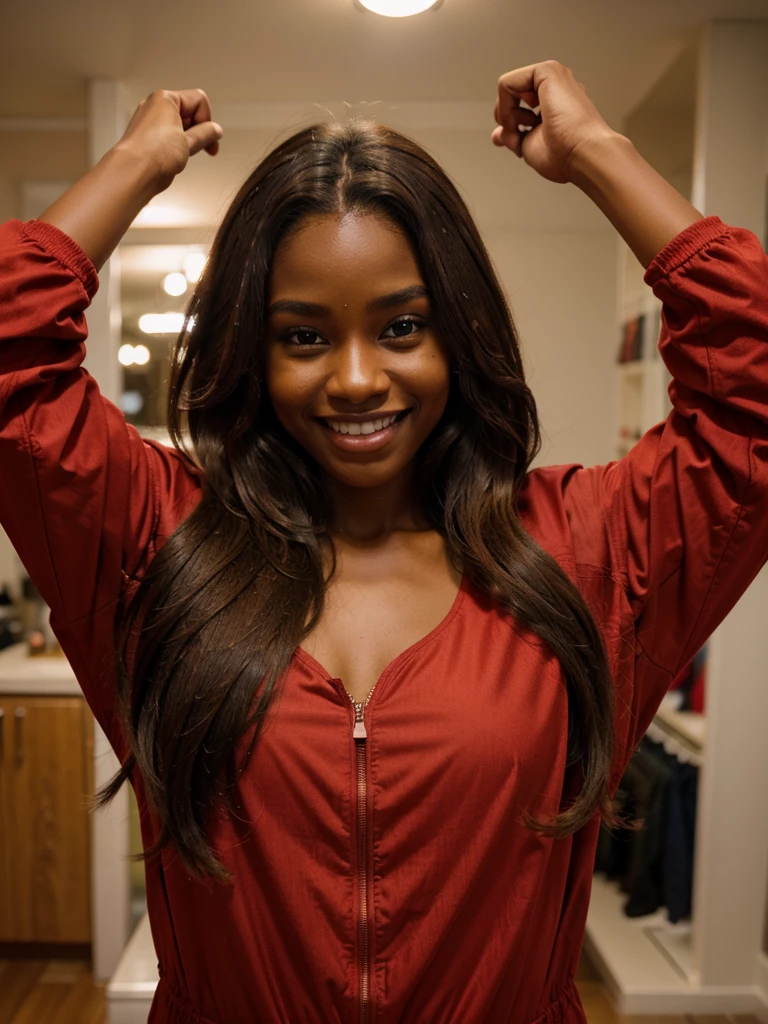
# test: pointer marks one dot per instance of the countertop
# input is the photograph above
(36, 676)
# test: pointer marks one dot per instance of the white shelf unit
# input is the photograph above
(715, 963)
(131, 988)
(643, 399)
(641, 383)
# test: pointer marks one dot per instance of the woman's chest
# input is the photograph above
(366, 625)
(470, 725)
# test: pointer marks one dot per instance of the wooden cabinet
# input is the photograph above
(46, 759)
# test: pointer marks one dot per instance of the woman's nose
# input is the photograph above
(357, 372)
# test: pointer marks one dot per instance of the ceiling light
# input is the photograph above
(129, 354)
(174, 284)
(161, 323)
(397, 8)
(125, 355)
(131, 402)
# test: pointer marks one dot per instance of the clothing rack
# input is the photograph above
(677, 733)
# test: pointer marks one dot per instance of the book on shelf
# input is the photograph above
(633, 339)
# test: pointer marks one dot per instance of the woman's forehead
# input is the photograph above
(353, 245)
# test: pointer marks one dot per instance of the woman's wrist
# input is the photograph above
(99, 208)
(644, 208)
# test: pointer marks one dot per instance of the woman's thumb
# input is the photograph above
(201, 136)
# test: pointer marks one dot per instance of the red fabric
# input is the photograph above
(471, 917)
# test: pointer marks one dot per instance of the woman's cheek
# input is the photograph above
(287, 387)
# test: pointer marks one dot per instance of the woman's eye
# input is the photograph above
(302, 334)
(405, 322)
(304, 337)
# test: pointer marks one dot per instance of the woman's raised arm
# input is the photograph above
(680, 519)
(569, 141)
(166, 129)
(82, 494)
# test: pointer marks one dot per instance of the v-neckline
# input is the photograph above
(315, 665)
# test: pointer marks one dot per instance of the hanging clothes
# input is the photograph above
(654, 866)
(647, 775)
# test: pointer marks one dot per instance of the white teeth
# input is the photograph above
(368, 427)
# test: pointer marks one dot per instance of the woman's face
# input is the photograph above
(350, 342)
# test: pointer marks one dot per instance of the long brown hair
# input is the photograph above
(232, 593)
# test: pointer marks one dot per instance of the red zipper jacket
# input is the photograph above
(381, 873)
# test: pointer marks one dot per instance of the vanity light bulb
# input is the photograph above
(174, 284)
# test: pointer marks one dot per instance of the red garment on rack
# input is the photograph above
(470, 916)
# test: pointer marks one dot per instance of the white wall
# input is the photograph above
(561, 290)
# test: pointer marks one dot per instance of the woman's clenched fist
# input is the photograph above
(566, 121)
(168, 128)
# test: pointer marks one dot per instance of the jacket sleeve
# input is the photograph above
(80, 491)
(685, 512)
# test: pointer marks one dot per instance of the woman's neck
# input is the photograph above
(363, 516)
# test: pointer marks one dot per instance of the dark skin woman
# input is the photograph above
(363, 445)
(394, 579)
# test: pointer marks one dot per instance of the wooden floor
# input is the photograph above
(50, 992)
(63, 992)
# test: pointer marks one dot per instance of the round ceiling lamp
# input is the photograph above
(397, 8)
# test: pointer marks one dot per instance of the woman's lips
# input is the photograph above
(363, 442)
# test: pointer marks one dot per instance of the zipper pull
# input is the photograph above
(359, 733)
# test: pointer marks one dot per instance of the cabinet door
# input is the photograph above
(49, 828)
(6, 753)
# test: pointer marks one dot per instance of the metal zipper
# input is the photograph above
(360, 734)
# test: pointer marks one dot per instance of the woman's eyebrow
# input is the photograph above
(416, 291)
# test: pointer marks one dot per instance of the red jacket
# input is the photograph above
(387, 875)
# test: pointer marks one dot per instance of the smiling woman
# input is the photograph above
(360, 662)
(373, 354)
(364, 282)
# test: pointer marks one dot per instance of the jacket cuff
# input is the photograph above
(690, 241)
(63, 248)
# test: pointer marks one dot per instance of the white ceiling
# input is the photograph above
(327, 50)
(296, 53)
